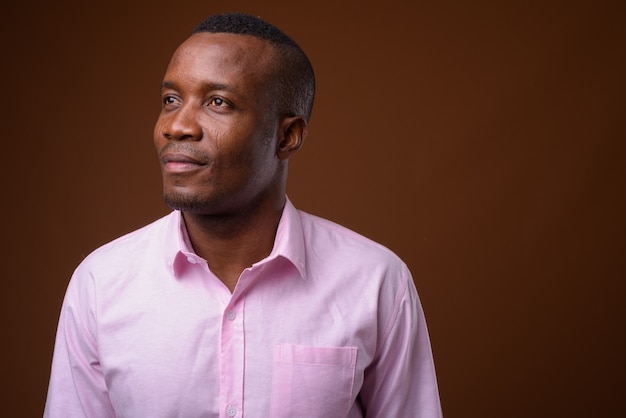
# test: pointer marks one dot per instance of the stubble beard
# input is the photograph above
(182, 202)
(196, 203)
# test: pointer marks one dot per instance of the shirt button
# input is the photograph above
(231, 411)
(231, 316)
(191, 260)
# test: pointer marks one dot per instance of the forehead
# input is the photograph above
(221, 55)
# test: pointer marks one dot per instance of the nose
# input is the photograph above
(181, 125)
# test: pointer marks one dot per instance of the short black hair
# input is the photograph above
(293, 70)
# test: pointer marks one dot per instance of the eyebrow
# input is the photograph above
(207, 86)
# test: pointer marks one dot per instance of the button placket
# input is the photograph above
(232, 357)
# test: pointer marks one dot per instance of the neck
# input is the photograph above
(233, 242)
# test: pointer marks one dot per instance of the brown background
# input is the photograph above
(484, 142)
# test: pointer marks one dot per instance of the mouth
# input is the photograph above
(179, 162)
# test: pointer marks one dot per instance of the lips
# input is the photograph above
(181, 162)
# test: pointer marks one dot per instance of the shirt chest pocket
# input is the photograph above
(312, 381)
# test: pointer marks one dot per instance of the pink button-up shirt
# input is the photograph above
(328, 325)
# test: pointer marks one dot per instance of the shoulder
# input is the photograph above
(339, 243)
(137, 244)
(356, 271)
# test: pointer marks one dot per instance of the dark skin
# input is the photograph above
(224, 148)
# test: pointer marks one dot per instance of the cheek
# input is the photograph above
(261, 163)
(157, 135)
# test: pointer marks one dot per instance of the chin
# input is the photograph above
(184, 202)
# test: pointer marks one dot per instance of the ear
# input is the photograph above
(291, 135)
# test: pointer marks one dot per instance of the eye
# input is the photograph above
(217, 101)
(169, 100)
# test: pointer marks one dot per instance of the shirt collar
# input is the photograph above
(288, 244)
(289, 241)
(178, 251)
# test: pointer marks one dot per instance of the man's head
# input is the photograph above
(236, 98)
(294, 77)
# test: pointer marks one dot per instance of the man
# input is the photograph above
(236, 304)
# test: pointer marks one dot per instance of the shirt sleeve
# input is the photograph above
(77, 387)
(401, 381)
